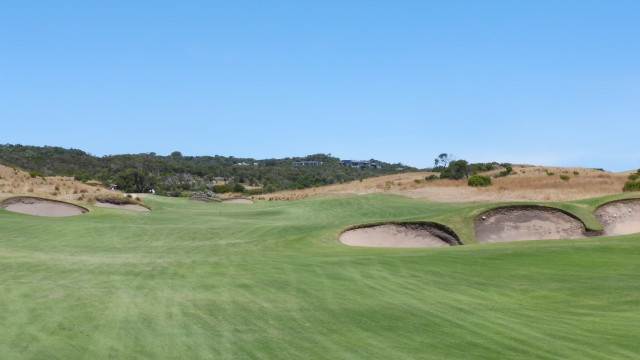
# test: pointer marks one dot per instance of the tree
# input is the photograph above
(458, 169)
(134, 180)
(443, 160)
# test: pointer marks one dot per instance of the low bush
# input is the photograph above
(635, 176)
(115, 199)
(631, 186)
(576, 173)
(479, 180)
(565, 177)
(431, 177)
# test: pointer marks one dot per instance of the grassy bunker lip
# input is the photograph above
(37, 206)
(400, 234)
(528, 222)
(204, 199)
(619, 217)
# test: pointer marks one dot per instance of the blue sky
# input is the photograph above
(538, 82)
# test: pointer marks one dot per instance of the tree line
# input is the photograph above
(176, 174)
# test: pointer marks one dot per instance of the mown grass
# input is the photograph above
(271, 281)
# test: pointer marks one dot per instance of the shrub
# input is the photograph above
(634, 176)
(631, 186)
(576, 173)
(417, 181)
(550, 173)
(220, 189)
(479, 180)
(565, 177)
(431, 177)
(238, 188)
(115, 199)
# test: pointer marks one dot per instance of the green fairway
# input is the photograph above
(271, 280)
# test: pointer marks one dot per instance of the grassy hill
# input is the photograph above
(271, 281)
(176, 174)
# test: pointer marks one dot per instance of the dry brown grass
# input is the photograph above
(528, 183)
(15, 182)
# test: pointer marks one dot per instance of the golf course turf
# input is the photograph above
(192, 280)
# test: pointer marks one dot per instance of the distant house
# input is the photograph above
(360, 164)
(307, 163)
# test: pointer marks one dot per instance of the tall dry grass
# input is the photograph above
(14, 182)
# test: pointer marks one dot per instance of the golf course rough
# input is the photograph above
(271, 281)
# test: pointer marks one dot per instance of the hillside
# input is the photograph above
(14, 182)
(175, 174)
(526, 183)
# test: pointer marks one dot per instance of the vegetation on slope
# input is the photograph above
(176, 173)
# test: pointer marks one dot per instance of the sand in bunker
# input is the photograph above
(237, 201)
(42, 207)
(132, 207)
(519, 223)
(620, 217)
(394, 235)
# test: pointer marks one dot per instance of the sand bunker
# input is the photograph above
(519, 223)
(620, 217)
(207, 200)
(237, 201)
(42, 207)
(402, 235)
(132, 207)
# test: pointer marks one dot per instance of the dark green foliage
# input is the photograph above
(631, 186)
(238, 188)
(506, 172)
(35, 174)
(221, 189)
(134, 180)
(458, 169)
(576, 173)
(479, 180)
(635, 176)
(431, 177)
(177, 173)
(565, 177)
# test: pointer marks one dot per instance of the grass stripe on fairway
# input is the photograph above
(271, 281)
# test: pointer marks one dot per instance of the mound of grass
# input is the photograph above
(116, 199)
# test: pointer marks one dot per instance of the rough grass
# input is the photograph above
(526, 183)
(271, 281)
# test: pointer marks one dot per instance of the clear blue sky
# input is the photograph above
(539, 82)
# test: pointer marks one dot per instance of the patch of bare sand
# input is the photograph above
(527, 183)
(620, 217)
(520, 223)
(42, 207)
(132, 207)
(237, 201)
(399, 236)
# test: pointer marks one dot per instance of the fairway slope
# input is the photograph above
(131, 207)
